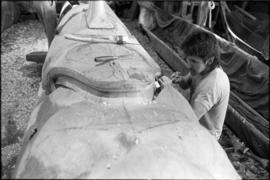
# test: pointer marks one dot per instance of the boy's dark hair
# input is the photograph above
(202, 44)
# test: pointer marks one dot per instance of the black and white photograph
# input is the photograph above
(135, 89)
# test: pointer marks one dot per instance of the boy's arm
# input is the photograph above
(200, 109)
(204, 101)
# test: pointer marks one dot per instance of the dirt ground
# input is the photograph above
(20, 82)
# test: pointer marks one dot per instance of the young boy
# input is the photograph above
(209, 85)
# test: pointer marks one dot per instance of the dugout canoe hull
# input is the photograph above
(249, 78)
(92, 123)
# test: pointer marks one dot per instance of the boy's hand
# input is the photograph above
(164, 81)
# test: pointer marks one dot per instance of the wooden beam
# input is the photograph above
(167, 54)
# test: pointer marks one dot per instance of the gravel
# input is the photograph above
(20, 83)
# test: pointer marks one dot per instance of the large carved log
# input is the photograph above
(99, 117)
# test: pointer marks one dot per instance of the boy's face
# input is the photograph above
(196, 64)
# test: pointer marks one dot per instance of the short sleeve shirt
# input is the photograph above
(209, 98)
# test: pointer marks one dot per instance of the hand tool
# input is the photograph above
(108, 58)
